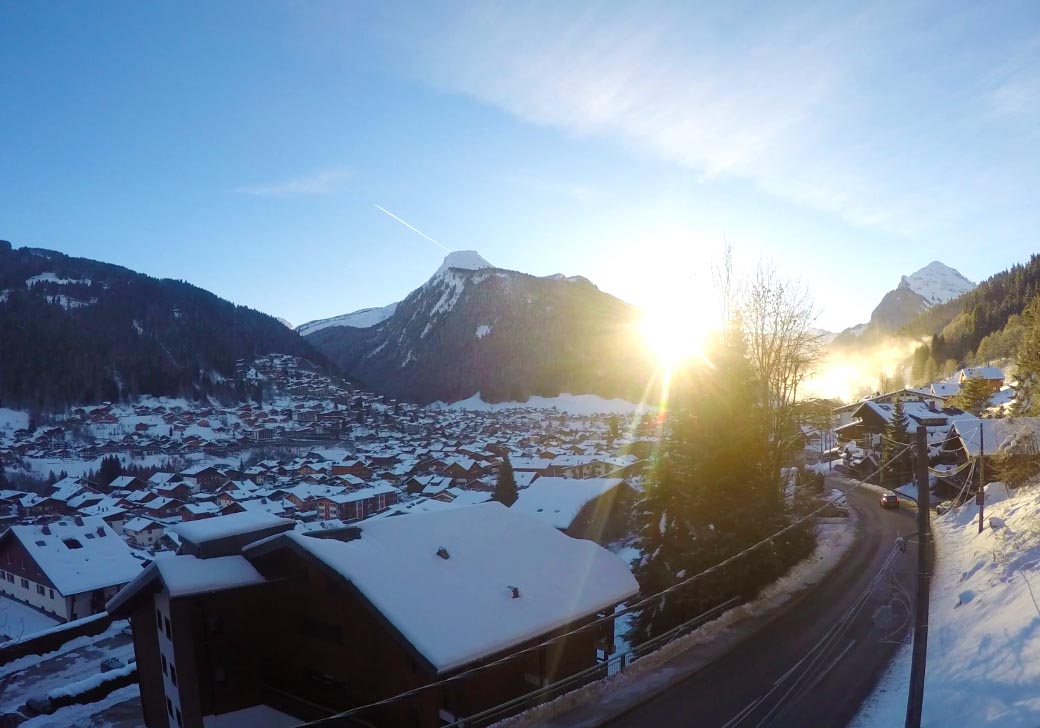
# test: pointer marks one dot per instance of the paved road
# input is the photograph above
(768, 680)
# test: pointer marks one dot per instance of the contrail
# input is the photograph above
(412, 228)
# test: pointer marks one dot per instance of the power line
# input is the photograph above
(631, 608)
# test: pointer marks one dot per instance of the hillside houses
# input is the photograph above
(187, 463)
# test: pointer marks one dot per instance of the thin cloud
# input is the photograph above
(322, 182)
(823, 107)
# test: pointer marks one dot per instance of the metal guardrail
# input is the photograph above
(615, 665)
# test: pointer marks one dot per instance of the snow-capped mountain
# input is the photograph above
(930, 286)
(366, 317)
(508, 335)
(937, 283)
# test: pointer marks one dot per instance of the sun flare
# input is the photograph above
(675, 333)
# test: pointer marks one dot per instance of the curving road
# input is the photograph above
(814, 664)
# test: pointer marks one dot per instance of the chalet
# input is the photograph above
(142, 532)
(227, 534)
(352, 467)
(195, 511)
(357, 504)
(993, 376)
(369, 612)
(591, 508)
(127, 482)
(871, 418)
(67, 568)
(203, 477)
(1008, 437)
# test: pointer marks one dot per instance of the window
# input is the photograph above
(169, 630)
(40, 590)
(72, 543)
(169, 707)
(165, 667)
(90, 535)
(25, 583)
(179, 717)
(52, 594)
(173, 674)
(158, 619)
(10, 577)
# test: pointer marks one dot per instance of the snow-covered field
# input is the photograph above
(575, 404)
(984, 622)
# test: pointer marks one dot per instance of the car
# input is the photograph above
(889, 500)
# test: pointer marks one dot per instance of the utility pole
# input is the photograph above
(980, 495)
(915, 699)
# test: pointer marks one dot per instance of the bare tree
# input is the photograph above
(784, 350)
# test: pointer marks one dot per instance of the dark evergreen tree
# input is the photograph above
(711, 493)
(898, 465)
(505, 487)
(3, 476)
(973, 396)
(109, 470)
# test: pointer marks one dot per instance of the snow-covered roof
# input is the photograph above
(187, 575)
(140, 524)
(558, 501)
(210, 529)
(996, 435)
(459, 609)
(79, 558)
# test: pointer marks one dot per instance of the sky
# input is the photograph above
(247, 147)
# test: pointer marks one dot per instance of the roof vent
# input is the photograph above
(443, 553)
(46, 530)
(515, 591)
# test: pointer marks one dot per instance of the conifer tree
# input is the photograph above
(973, 396)
(898, 465)
(505, 487)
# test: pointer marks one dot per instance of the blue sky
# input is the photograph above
(243, 146)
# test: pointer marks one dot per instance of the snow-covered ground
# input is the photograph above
(984, 622)
(19, 620)
(575, 404)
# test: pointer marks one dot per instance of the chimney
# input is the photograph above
(78, 521)
(443, 553)
(515, 591)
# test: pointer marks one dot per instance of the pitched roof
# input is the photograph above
(78, 558)
(460, 609)
(558, 501)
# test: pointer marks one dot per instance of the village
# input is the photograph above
(211, 523)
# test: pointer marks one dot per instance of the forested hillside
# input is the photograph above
(74, 330)
(984, 324)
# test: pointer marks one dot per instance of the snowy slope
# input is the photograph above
(984, 641)
(366, 317)
(937, 283)
(360, 319)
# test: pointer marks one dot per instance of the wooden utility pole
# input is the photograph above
(915, 699)
(980, 495)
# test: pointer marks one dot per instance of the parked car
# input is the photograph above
(890, 500)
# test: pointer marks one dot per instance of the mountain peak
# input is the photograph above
(468, 259)
(937, 283)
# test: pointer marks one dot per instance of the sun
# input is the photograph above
(675, 333)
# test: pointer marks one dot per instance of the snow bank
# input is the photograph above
(575, 404)
(71, 690)
(984, 641)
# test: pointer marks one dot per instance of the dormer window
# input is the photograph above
(72, 543)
